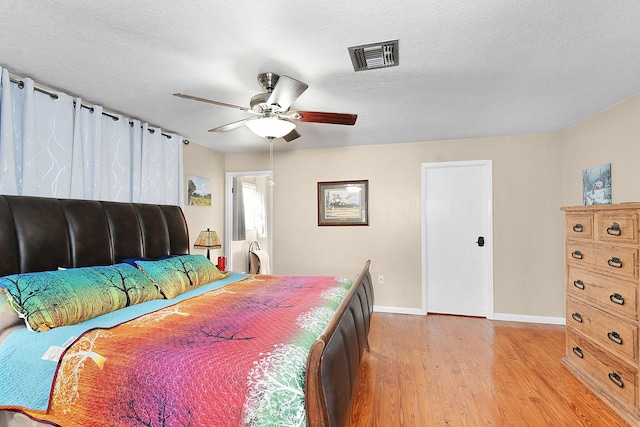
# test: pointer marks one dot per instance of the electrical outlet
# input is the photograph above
(381, 279)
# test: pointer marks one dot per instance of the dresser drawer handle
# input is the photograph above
(577, 317)
(616, 379)
(579, 284)
(615, 262)
(578, 352)
(576, 254)
(578, 228)
(615, 337)
(614, 230)
(617, 299)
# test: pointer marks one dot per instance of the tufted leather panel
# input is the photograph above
(177, 226)
(367, 309)
(38, 234)
(88, 233)
(8, 244)
(126, 237)
(155, 236)
(41, 232)
(358, 312)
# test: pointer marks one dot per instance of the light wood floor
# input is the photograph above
(440, 370)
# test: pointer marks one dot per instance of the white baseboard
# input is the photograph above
(528, 319)
(495, 316)
(399, 310)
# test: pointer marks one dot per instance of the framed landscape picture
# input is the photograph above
(343, 203)
(198, 191)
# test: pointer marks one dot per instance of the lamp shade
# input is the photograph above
(207, 239)
(270, 127)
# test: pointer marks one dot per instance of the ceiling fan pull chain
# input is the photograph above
(271, 183)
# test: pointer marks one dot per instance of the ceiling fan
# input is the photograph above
(270, 110)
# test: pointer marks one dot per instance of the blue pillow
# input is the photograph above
(132, 261)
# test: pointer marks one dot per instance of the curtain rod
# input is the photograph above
(54, 95)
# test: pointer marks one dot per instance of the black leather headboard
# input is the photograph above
(38, 234)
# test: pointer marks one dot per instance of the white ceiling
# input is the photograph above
(468, 68)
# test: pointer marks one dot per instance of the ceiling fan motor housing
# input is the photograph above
(258, 102)
(268, 80)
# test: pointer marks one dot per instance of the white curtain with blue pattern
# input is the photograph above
(56, 147)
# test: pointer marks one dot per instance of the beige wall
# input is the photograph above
(612, 136)
(533, 176)
(528, 267)
(205, 163)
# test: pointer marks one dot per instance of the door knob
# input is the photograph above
(480, 241)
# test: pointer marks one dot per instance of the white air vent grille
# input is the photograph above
(374, 55)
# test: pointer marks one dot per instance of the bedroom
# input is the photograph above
(534, 174)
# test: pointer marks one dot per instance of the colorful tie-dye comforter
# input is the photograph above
(229, 357)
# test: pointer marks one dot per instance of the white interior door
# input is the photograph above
(457, 269)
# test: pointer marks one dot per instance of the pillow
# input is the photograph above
(132, 261)
(50, 299)
(8, 316)
(181, 273)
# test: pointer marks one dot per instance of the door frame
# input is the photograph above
(488, 206)
(228, 217)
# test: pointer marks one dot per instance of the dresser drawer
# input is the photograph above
(613, 294)
(621, 261)
(614, 334)
(620, 227)
(615, 376)
(578, 226)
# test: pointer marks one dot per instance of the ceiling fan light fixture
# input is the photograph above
(270, 127)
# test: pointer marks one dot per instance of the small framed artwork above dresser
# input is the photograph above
(601, 252)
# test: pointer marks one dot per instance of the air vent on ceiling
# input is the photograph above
(374, 55)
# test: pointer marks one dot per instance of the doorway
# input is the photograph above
(248, 218)
(457, 238)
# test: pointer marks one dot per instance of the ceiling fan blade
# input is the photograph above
(230, 126)
(318, 117)
(291, 136)
(286, 91)
(209, 101)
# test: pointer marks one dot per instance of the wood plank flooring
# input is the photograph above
(440, 370)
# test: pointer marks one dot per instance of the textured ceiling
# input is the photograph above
(468, 68)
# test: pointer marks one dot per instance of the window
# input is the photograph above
(254, 209)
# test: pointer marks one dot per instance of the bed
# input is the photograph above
(139, 341)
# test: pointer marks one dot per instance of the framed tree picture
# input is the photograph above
(343, 203)
(198, 191)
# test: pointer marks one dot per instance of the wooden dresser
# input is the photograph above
(602, 246)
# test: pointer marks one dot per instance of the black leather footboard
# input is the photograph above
(334, 360)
